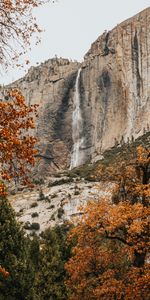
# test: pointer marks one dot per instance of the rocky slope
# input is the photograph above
(58, 198)
(113, 89)
(55, 202)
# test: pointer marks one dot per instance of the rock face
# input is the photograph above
(114, 90)
(51, 86)
(115, 84)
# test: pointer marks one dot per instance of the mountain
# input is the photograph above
(87, 108)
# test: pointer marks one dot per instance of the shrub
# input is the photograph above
(34, 215)
(76, 192)
(34, 204)
(52, 206)
(38, 181)
(60, 182)
(35, 226)
(60, 212)
(52, 217)
(27, 225)
(41, 196)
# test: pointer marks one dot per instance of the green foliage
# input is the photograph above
(14, 256)
(38, 181)
(35, 251)
(60, 182)
(60, 212)
(36, 266)
(51, 274)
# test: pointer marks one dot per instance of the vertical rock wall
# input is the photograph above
(116, 84)
(51, 86)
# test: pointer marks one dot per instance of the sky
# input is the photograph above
(71, 26)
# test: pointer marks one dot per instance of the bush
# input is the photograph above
(52, 206)
(34, 215)
(35, 226)
(38, 181)
(60, 212)
(60, 182)
(52, 217)
(27, 225)
(41, 196)
(34, 204)
(76, 192)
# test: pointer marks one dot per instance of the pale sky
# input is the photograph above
(72, 25)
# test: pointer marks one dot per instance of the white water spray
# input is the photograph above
(77, 128)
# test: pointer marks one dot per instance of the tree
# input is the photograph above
(14, 257)
(17, 26)
(51, 274)
(17, 145)
(111, 257)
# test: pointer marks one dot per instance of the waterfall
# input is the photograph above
(77, 156)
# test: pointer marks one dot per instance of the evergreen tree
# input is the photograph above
(53, 255)
(14, 256)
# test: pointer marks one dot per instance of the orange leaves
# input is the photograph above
(16, 142)
(111, 256)
(5, 176)
(143, 155)
(110, 238)
(4, 272)
(3, 191)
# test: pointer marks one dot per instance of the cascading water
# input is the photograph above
(77, 128)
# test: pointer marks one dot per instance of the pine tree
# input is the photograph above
(51, 275)
(14, 257)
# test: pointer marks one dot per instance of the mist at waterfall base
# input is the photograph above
(77, 157)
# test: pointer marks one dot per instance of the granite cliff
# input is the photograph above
(112, 96)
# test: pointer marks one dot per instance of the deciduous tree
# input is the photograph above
(17, 145)
(17, 26)
(111, 257)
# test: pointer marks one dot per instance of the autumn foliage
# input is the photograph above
(17, 145)
(111, 256)
(4, 272)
